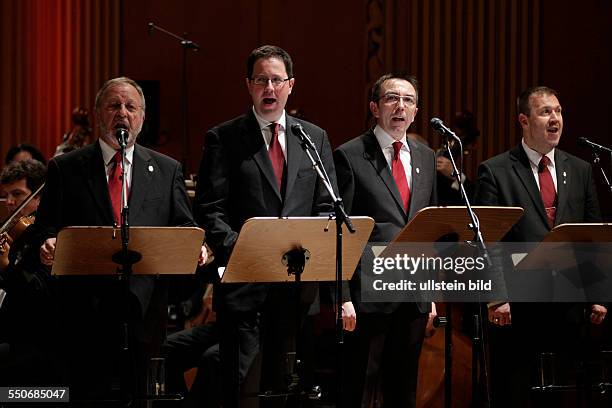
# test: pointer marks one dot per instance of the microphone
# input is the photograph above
(122, 136)
(150, 29)
(584, 142)
(439, 127)
(301, 133)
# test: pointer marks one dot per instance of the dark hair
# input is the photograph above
(24, 147)
(33, 171)
(269, 51)
(522, 102)
(375, 95)
(118, 81)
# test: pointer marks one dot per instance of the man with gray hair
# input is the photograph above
(83, 189)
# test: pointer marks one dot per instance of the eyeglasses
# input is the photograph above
(116, 106)
(394, 99)
(263, 81)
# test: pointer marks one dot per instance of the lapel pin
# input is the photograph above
(418, 170)
(564, 178)
(151, 169)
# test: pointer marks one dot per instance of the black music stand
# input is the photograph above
(92, 251)
(273, 249)
(449, 224)
(578, 256)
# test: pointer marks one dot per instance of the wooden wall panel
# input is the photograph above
(466, 55)
(325, 39)
(55, 55)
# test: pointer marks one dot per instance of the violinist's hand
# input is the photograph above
(349, 317)
(203, 256)
(47, 251)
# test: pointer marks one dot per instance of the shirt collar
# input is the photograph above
(108, 152)
(264, 123)
(386, 141)
(535, 157)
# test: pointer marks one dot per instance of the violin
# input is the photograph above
(13, 227)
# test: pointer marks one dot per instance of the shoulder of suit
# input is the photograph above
(502, 159)
(573, 160)
(422, 148)
(357, 144)
(232, 124)
(157, 156)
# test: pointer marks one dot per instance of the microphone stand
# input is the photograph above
(341, 218)
(478, 341)
(186, 45)
(125, 258)
(597, 164)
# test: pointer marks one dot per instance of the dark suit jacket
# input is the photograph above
(76, 194)
(507, 180)
(367, 188)
(236, 182)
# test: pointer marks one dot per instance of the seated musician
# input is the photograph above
(25, 313)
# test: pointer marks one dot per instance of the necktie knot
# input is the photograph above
(544, 162)
(274, 126)
(397, 146)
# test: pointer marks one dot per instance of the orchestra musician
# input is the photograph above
(26, 355)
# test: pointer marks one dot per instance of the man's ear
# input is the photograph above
(374, 109)
(522, 118)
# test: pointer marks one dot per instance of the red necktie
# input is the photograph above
(547, 190)
(114, 187)
(276, 155)
(399, 174)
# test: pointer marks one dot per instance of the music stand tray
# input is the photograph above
(164, 250)
(554, 251)
(430, 224)
(258, 253)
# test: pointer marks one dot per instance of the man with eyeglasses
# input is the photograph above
(388, 177)
(84, 189)
(254, 166)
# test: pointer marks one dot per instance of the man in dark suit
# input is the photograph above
(553, 187)
(84, 188)
(254, 166)
(384, 175)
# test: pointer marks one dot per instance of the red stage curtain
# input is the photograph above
(54, 56)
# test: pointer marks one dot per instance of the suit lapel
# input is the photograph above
(143, 169)
(253, 138)
(294, 154)
(373, 153)
(94, 168)
(522, 168)
(563, 180)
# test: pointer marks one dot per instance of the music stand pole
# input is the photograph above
(478, 343)
(341, 218)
